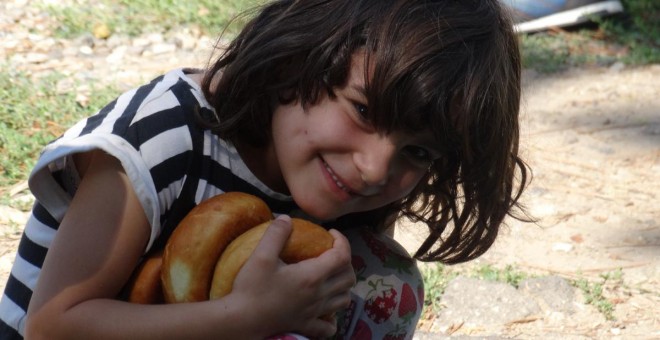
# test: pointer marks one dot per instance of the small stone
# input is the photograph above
(562, 247)
(86, 50)
(155, 38)
(140, 42)
(162, 48)
(36, 58)
(117, 55)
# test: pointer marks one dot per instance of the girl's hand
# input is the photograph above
(292, 298)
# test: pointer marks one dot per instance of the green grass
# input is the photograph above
(593, 292)
(133, 17)
(436, 278)
(33, 113)
(507, 275)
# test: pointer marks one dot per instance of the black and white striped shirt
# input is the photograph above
(171, 162)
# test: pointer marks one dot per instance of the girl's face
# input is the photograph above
(334, 162)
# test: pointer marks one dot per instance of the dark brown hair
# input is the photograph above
(449, 65)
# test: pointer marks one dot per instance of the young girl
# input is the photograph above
(352, 113)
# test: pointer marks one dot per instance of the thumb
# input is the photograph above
(274, 238)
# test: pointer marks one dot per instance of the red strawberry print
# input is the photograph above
(381, 301)
(361, 331)
(408, 303)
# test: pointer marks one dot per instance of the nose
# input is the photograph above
(374, 159)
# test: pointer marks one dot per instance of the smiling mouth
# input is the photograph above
(337, 181)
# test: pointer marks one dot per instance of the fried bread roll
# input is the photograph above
(307, 240)
(209, 247)
(195, 246)
(145, 286)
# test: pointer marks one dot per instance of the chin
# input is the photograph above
(320, 214)
(317, 211)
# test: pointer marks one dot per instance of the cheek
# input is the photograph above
(408, 180)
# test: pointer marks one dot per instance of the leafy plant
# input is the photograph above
(507, 275)
(436, 278)
(593, 294)
(594, 291)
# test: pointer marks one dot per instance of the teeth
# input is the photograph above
(334, 177)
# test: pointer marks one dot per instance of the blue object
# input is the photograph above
(539, 15)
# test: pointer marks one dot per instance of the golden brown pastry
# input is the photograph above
(307, 240)
(210, 245)
(197, 242)
(145, 287)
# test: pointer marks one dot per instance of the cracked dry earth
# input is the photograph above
(592, 137)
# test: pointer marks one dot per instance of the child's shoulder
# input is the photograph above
(166, 102)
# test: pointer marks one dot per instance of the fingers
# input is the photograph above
(337, 302)
(341, 242)
(340, 284)
(333, 266)
(273, 240)
(337, 260)
(338, 274)
(312, 288)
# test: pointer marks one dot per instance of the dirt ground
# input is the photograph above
(592, 137)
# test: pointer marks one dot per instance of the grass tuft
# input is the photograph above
(33, 113)
(134, 17)
(436, 278)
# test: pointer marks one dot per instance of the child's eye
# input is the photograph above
(362, 111)
(360, 115)
(419, 155)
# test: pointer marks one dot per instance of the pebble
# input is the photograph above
(562, 247)
(36, 58)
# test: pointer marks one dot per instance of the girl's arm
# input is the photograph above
(99, 243)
